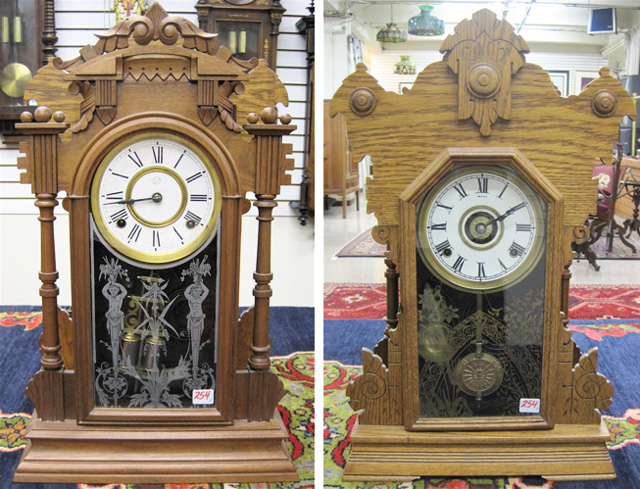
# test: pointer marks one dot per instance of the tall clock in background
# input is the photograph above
(21, 54)
(249, 28)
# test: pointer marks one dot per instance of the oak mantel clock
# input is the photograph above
(482, 180)
(154, 378)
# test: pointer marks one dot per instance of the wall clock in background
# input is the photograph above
(22, 26)
(249, 28)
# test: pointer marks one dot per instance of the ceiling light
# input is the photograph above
(426, 24)
(391, 33)
(404, 66)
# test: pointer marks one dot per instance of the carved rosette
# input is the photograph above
(485, 53)
(604, 103)
(363, 101)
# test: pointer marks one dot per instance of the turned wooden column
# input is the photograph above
(262, 291)
(271, 163)
(49, 37)
(42, 172)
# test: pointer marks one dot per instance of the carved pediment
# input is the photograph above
(484, 52)
(156, 25)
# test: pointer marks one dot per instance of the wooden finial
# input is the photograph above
(269, 115)
(42, 114)
(58, 116)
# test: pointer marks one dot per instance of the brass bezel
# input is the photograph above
(512, 277)
(176, 177)
(148, 257)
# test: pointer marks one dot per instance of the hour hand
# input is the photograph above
(156, 197)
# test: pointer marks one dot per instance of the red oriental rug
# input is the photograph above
(586, 302)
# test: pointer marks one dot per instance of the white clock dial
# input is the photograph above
(155, 199)
(481, 227)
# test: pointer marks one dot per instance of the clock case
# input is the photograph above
(156, 74)
(258, 19)
(482, 104)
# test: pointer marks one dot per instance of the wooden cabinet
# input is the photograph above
(340, 170)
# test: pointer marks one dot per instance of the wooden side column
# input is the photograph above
(271, 164)
(262, 292)
(42, 172)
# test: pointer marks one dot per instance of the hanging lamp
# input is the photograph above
(405, 66)
(426, 24)
(391, 33)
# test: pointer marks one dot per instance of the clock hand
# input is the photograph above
(156, 197)
(481, 227)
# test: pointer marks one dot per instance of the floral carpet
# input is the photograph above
(19, 359)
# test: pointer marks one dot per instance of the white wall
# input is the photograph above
(575, 63)
(77, 21)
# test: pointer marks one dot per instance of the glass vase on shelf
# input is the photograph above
(426, 24)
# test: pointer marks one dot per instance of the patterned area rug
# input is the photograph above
(363, 245)
(586, 302)
(19, 359)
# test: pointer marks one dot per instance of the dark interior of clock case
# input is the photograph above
(479, 353)
(154, 329)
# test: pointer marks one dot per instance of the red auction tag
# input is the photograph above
(529, 405)
(202, 396)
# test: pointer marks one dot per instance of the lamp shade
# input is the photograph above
(391, 33)
(426, 24)
(404, 66)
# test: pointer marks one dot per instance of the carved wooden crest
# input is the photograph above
(119, 54)
(485, 53)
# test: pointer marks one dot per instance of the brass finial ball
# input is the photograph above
(269, 115)
(43, 114)
(58, 116)
(26, 116)
(253, 118)
(285, 118)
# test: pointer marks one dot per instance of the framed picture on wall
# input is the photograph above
(560, 80)
(403, 85)
(583, 78)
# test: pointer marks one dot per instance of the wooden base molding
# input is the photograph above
(68, 452)
(567, 452)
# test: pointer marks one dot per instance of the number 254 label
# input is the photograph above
(202, 396)
(529, 405)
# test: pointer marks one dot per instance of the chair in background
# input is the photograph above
(341, 174)
(603, 224)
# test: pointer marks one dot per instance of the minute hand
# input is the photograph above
(506, 214)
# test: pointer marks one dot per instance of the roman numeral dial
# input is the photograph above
(481, 227)
(156, 198)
